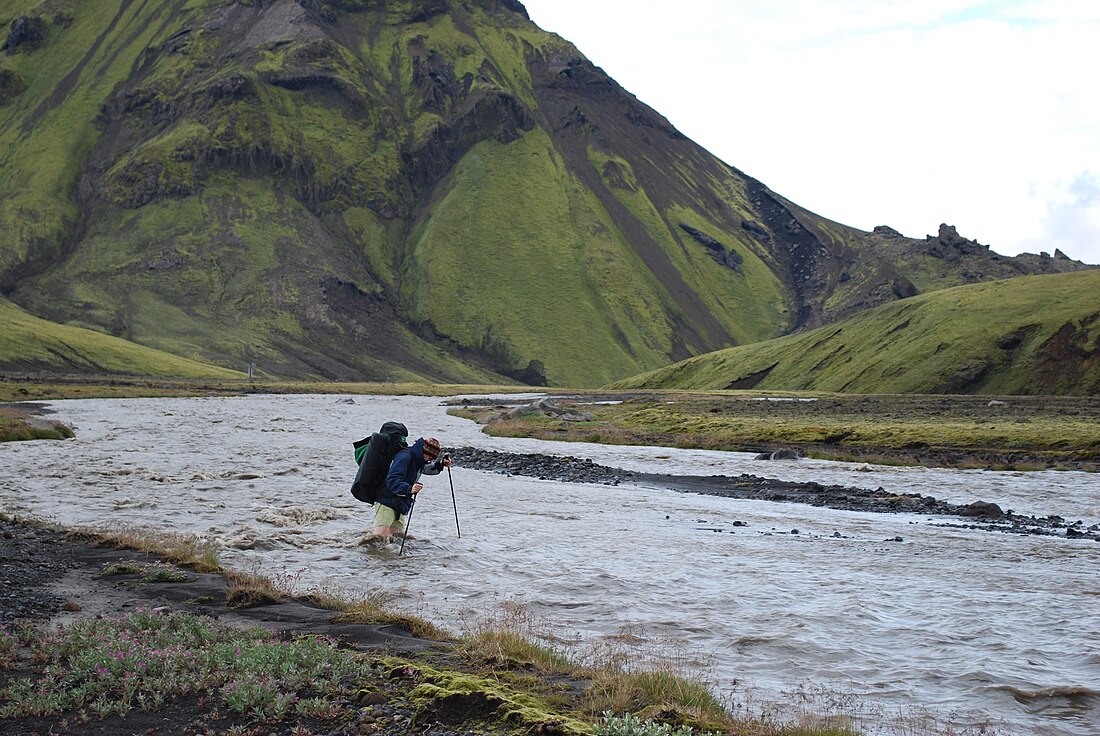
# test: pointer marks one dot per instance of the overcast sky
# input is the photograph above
(907, 113)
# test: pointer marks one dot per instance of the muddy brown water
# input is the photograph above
(978, 628)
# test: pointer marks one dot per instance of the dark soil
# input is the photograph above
(50, 577)
(977, 515)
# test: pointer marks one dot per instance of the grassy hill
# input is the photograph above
(1029, 335)
(401, 191)
(44, 346)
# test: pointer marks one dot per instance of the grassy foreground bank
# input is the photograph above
(1016, 433)
(161, 669)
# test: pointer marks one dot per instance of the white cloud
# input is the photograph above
(895, 112)
(1071, 214)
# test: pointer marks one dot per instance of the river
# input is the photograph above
(878, 615)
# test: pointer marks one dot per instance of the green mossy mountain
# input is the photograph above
(431, 190)
(1030, 335)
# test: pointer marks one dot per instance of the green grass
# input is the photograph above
(182, 549)
(1018, 432)
(502, 253)
(30, 343)
(370, 610)
(114, 665)
(44, 142)
(115, 387)
(17, 425)
(752, 303)
(153, 572)
(927, 343)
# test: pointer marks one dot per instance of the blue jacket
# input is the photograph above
(407, 465)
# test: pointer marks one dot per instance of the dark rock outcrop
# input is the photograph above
(750, 381)
(805, 260)
(951, 246)
(27, 33)
(886, 231)
(1014, 339)
(728, 257)
(903, 288)
(516, 7)
(549, 408)
(781, 454)
(11, 86)
(485, 114)
(983, 509)
(968, 376)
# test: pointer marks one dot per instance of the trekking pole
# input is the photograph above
(407, 522)
(453, 501)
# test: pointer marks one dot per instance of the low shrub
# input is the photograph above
(109, 666)
(629, 724)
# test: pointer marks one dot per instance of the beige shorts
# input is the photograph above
(385, 516)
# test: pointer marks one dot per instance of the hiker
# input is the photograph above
(395, 497)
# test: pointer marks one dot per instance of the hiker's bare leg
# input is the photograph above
(386, 522)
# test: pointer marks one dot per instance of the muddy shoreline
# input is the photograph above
(975, 515)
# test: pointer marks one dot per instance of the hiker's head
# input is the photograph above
(431, 449)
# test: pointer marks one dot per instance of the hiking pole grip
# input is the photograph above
(453, 501)
(408, 521)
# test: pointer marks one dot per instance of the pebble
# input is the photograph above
(583, 470)
(26, 574)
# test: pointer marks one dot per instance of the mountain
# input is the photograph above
(397, 190)
(1031, 335)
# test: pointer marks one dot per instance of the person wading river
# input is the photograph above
(402, 483)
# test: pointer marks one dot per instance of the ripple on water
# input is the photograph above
(1075, 703)
(297, 515)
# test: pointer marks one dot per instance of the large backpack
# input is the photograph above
(374, 455)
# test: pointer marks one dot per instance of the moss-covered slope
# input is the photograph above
(38, 345)
(396, 190)
(1030, 335)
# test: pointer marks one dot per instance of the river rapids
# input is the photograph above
(884, 617)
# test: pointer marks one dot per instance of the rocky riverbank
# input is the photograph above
(977, 514)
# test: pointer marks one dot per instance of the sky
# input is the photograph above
(906, 113)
